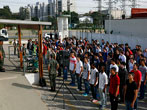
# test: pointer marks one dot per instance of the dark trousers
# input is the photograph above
(59, 71)
(52, 78)
(72, 77)
(79, 81)
(142, 90)
(86, 83)
(94, 91)
(121, 89)
(114, 102)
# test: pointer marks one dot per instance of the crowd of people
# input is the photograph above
(100, 66)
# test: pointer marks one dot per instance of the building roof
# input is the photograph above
(23, 22)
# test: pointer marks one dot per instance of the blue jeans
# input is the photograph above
(135, 104)
(72, 77)
(79, 81)
(128, 105)
(65, 71)
(86, 83)
(102, 97)
(142, 90)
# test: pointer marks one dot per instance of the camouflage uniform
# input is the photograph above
(52, 73)
(2, 60)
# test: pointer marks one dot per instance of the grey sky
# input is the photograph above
(83, 6)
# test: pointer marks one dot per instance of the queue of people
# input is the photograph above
(100, 66)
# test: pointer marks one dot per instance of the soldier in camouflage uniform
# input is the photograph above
(2, 56)
(52, 68)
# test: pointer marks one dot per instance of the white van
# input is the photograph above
(4, 34)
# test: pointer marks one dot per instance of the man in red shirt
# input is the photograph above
(44, 53)
(114, 89)
(137, 79)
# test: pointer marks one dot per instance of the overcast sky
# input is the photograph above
(83, 6)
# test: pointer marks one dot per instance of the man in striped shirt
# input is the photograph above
(72, 68)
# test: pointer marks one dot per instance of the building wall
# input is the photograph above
(121, 39)
(129, 27)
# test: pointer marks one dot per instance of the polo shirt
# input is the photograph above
(114, 82)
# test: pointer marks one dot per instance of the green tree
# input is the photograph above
(23, 13)
(53, 20)
(5, 13)
(35, 19)
(74, 17)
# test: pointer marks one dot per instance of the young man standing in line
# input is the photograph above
(86, 76)
(103, 82)
(114, 88)
(79, 69)
(93, 82)
(130, 92)
(143, 70)
(137, 79)
(72, 68)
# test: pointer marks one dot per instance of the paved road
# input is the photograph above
(15, 91)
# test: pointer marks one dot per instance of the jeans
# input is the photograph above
(94, 91)
(79, 81)
(102, 97)
(72, 77)
(128, 105)
(135, 104)
(65, 71)
(86, 83)
(114, 102)
(142, 90)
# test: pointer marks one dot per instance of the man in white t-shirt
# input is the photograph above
(122, 57)
(86, 76)
(72, 68)
(103, 82)
(113, 64)
(79, 69)
(93, 82)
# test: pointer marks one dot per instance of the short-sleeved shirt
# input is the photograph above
(78, 67)
(137, 76)
(103, 80)
(72, 63)
(114, 82)
(130, 90)
(143, 70)
(93, 76)
(53, 66)
(115, 66)
(86, 70)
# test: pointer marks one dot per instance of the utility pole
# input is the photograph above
(124, 6)
(99, 5)
(134, 3)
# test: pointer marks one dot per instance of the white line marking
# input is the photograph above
(8, 78)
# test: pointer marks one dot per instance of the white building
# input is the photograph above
(54, 7)
(86, 19)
